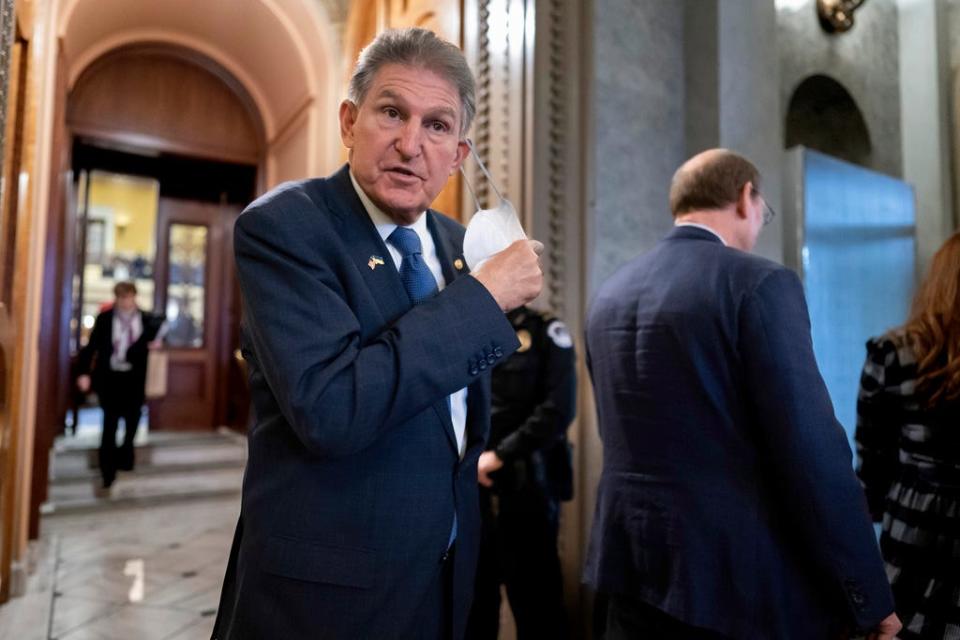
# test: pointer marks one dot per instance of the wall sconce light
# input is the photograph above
(836, 16)
(121, 222)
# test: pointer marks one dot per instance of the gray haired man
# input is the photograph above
(369, 348)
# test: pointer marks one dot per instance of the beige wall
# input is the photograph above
(132, 203)
(288, 157)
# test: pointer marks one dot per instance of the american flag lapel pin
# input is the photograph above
(374, 262)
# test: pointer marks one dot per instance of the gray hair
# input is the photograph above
(416, 47)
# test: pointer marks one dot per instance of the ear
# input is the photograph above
(744, 200)
(348, 118)
(463, 150)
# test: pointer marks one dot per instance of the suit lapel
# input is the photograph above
(449, 255)
(444, 246)
(451, 259)
(373, 260)
(367, 248)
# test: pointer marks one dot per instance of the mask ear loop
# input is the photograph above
(486, 173)
(473, 194)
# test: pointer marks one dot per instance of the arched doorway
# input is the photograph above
(167, 147)
(281, 51)
(822, 115)
(271, 58)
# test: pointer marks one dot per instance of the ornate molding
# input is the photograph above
(557, 149)
(503, 126)
(7, 29)
(484, 100)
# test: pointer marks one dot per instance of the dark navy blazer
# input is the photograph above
(353, 474)
(727, 498)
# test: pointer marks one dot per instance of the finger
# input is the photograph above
(537, 246)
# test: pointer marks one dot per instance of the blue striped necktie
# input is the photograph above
(420, 284)
(416, 276)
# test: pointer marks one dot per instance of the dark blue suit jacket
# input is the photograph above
(353, 474)
(727, 498)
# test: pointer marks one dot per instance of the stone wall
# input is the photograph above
(864, 60)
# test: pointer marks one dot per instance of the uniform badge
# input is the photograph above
(374, 262)
(526, 340)
(559, 334)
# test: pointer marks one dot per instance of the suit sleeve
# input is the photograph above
(549, 420)
(807, 448)
(878, 432)
(338, 393)
(85, 357)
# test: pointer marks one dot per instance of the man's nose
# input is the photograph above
(409, 141)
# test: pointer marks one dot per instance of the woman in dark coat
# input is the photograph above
(114, 364)
(908, 441)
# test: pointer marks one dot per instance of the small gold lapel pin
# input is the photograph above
(374, 261)
(458, 263)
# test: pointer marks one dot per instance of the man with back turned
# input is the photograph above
(728, 506)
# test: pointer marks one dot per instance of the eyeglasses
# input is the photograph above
(768, 213)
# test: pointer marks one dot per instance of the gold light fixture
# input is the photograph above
(836, 16)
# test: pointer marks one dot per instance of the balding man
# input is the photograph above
(728, 507)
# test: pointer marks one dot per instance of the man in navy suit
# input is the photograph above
(727, 507)
(369, 349)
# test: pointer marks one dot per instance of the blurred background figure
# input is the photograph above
(524, 475)
(908, 441)
(114, 365)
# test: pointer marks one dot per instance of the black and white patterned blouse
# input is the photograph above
(910, 470)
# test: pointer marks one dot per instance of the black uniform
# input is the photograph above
(533, 403)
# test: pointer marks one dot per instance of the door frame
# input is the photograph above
(173, 211)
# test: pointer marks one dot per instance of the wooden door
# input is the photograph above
(12, 234)
(192, 292)
(55, 306)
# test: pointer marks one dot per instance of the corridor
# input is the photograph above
(145, 563)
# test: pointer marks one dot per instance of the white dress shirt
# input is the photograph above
(385, 226)
(127, 329)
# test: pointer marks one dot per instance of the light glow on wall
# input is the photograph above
(791, 5)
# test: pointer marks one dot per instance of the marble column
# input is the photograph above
(749, 101)
(635, 117)
(732, 93)
(925, 120)
(661, 81)
(633, 138)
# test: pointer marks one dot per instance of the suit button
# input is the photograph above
(498, 352)
(491, 359)
(473, 370)
(482, 364)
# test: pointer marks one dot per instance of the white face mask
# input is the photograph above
(490, 231)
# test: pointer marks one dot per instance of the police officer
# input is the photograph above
(524, 475)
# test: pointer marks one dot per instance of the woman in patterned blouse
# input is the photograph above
(908, 440)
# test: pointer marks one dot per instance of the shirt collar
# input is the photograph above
(382, 221)
(701, 226)
(126, 316)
